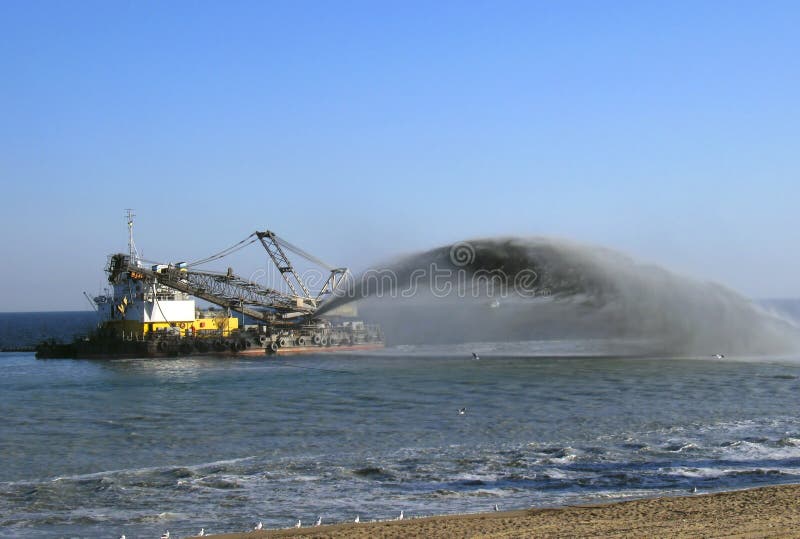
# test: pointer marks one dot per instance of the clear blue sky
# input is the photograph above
(668, 130)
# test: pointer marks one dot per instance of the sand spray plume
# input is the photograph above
(530, 288)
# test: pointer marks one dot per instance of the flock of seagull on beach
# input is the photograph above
(299, 524)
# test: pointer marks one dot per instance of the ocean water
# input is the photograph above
(28, 329)
(101, 448)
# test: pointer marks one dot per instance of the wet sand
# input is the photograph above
(762, 512)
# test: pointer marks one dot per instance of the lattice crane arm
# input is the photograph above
(275, 245)
(229, 291)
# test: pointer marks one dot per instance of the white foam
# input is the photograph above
(744, 450)
(695, 473)
(129, 471)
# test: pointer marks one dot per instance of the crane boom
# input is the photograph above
(224, 289)
(233, 292)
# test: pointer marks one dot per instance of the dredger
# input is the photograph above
(151, 309)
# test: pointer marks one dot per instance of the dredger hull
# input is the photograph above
(139, 349)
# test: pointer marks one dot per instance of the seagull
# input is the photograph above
(165, 535)
(319, 521)
(357, 520)
(202, 532)
(719, 356)
(462, 411)
(258, 526)
(496, 507)
(122, 536)
(694, 490)
(401, 516)
(298, 523)
(475, 356)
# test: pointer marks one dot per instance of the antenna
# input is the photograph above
(134, 254)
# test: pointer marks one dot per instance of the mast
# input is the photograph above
(133, 253)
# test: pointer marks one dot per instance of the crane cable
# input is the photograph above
(225, 252)
(298, 251)
(251, 239)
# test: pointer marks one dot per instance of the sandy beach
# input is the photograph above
(763, 512)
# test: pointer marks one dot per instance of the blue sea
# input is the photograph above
(102, 448)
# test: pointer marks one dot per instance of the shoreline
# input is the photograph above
(770, 511)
